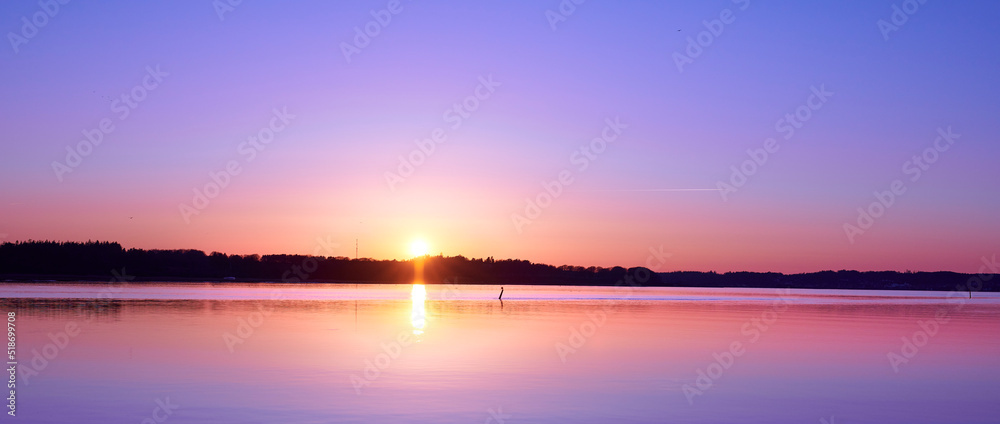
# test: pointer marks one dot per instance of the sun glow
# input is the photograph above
(419, 248)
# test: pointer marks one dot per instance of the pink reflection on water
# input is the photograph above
(825, 354)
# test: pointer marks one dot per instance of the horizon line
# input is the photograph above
(441, 255)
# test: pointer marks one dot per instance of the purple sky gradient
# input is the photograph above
(323, 176)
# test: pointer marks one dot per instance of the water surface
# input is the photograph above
(316, 353)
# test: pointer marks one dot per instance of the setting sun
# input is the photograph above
(419, 248)
(262, 189)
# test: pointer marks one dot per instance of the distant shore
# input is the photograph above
(946, 281)
(38, 261)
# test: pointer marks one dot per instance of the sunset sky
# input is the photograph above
(515, 91)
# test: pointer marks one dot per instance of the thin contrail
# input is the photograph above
(657, 189)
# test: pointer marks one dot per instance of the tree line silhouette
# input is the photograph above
(100, 260)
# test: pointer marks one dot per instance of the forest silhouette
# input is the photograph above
(100, 260)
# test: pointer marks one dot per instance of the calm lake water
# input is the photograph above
(318, 353)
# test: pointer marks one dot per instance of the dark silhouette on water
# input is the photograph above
(501, 294)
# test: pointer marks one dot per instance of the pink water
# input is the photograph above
(387, 353)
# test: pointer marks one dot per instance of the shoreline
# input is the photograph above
(69, 279)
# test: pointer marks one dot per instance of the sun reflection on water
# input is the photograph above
(418, 315)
